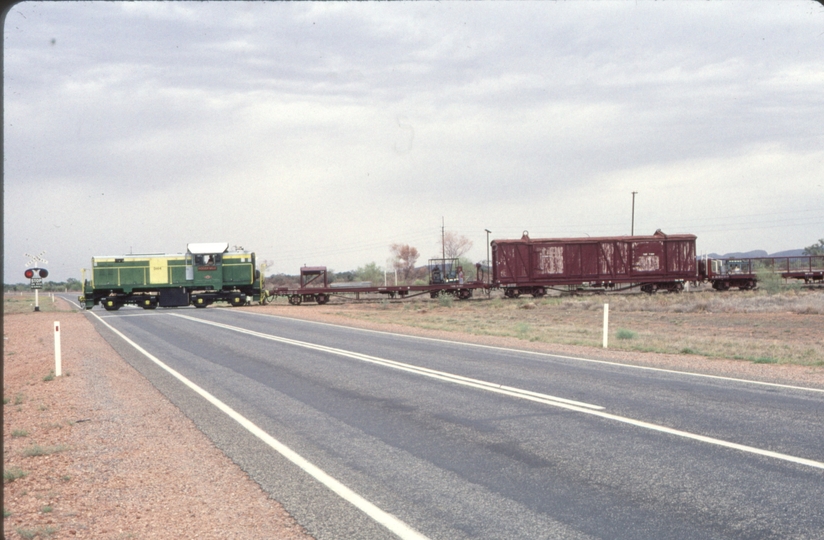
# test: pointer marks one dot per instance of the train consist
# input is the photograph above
(658, 262)
(207, 273)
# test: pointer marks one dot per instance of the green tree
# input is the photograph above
(74, 284)
(815, 249)
(370, 272)
(349, 275)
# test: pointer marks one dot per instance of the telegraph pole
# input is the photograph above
(488, 262)
(443, 241)
(632, 230)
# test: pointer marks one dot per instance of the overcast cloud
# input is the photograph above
(319, 133)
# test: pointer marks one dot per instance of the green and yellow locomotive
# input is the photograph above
(206, 273)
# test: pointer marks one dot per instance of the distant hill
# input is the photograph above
(789, 253)
(757, 253)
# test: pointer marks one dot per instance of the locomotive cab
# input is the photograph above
(204, 264)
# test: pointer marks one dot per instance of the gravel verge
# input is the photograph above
(119, 461)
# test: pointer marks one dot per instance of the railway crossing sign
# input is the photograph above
(36, 275)
(33, 259)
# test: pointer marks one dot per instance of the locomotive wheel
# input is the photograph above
(110, 305)
(235, 300)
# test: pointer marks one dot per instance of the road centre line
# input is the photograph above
(549, 355)
(532, 396)
(392, 523)
(435, 374)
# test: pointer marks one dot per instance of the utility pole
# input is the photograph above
(443, 241)
(632, 230)
(488, 262)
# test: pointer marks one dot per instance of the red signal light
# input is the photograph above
(32, 273)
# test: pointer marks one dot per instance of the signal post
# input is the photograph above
(36, 276)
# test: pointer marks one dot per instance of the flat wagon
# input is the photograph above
(206, 273)
(533, 266)
(743, 273)
(445, 278)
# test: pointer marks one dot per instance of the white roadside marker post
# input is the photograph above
(58, 362)
(606, 324)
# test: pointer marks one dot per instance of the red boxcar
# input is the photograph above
(528, 266)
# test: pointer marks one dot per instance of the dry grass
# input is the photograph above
(24, 303)
(808, 302)
(753, 326)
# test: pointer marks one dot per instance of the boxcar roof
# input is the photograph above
(585, 239)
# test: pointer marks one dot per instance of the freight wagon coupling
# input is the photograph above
(205, 274)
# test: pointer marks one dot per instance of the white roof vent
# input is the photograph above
(208, 248)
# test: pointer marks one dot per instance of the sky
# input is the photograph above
(320, 133)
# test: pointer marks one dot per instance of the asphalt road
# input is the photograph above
(371, 435)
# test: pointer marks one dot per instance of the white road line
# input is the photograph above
(70, 301)
(435, 374)
(548, 355)
(548, 400)
(127, 314)
(393, 524)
